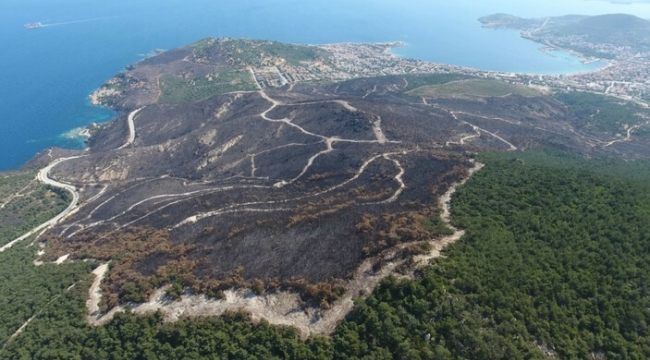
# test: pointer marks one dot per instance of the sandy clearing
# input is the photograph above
(376, 128)
(95, 292)
(346, 105)
(62, 259)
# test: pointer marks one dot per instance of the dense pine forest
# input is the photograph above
(555, 263)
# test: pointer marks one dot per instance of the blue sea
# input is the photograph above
(47, 74)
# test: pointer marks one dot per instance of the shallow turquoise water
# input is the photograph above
(47, 74)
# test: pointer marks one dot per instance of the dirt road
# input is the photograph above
(43, 177)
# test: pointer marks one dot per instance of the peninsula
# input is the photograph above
(301, 173)
(622, 41)
(287, 181)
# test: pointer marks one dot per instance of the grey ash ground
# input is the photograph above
(286, 187)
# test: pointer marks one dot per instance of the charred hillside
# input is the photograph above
(285, 187)
(290, 192)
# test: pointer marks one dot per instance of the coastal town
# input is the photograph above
(350, 61)
(624, 56)
(246, 65)
(627, 77)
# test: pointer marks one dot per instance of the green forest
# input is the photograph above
(554, 263)
(606, 113)
(26, 289)
(175, 90)
(25, 203)
(474, 87)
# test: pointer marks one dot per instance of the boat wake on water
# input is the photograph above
(36, 25)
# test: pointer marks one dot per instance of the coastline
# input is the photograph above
(111, 86)
(107, 89)
(95, 57)
(78, 133)
(102, 91)
(548, 47)
(586, 60)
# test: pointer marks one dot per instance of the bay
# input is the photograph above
(47, 74)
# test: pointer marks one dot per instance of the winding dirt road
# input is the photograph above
(130, 120)
(281, 308)
(328, 141)
(477, 129)
(626, 138)
(43, 177)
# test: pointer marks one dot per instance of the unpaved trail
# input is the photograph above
(275, 103)
(119, 193)
(627, 138)
(512, 147)
(254, 78)
(467, 137)
(98, 195)
(95, 292)
(445, 204)
(252, 156)
(20, 330)
(246, 206)
(376, 128)
(310, 162)
(24, 325)
(19, 193)
(328, 140)
(398, 179)
(159, 88)
(188, 195)
(346, 105)
(478, 129)
(489, 117)
(131, 122)
(59, 261)
(368, 93)
(281, 308)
